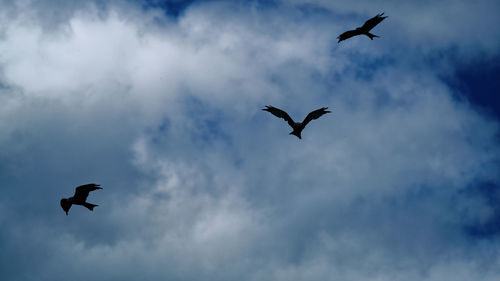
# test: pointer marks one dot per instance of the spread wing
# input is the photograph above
(371, 23)
(280, 114)
(348, 34)
(315, 115)
(82, 192)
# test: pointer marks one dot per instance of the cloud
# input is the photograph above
(447, 25)
(199, 183)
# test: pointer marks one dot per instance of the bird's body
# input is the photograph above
(296, 126)
(297, 129)
(81, 194)
(363, 30)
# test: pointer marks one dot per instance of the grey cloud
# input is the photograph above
(425, 25)
(200, 184)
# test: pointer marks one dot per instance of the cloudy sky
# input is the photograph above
(159, 102)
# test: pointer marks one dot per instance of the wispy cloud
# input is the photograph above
(164, 113)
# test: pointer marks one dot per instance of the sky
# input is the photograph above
(160, 103)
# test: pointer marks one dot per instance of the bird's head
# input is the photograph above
(65, 205)
(295, 133)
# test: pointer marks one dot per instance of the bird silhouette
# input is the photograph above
(296, 126)
(363, 30)
(81, 194)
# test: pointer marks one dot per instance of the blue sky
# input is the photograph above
(159, 102)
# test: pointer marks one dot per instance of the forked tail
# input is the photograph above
(89, 206)
(371, 35)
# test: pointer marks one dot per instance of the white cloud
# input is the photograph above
(201, 184)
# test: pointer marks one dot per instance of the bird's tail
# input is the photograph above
(89, 206)
(371, 35)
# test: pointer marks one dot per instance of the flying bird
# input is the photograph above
(81, 194)
(296, 126)
(363, 30)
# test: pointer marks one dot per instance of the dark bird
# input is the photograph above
(296, 126)
(363, 30)
(81, 194)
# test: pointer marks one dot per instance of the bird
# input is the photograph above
(81, 194)
(296, 126)
(363, 30)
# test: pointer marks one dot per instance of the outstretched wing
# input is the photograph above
(82, 192)
(315, 115)
(280, 114)
(348, 34)
(371, 23)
